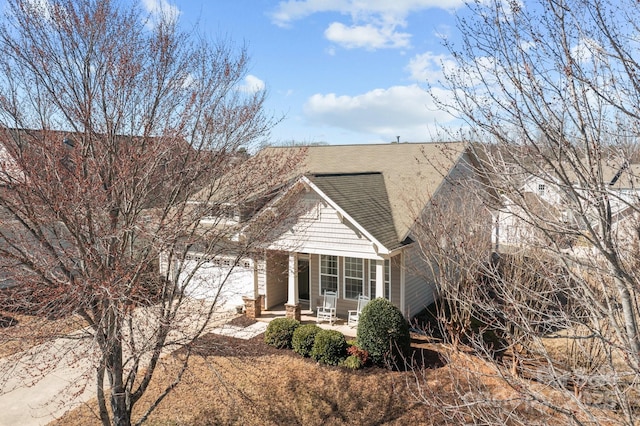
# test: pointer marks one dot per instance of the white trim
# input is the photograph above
(380, 287)
(320, 274)
(402, 283)
(344, 277)
(292, 282)
(346, 253)
(381, 284)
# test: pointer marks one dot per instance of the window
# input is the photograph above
(328, 273)
(387, 279)
(541, 188)
(353, 277)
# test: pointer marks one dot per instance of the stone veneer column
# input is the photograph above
(293, 311)
(252, 307)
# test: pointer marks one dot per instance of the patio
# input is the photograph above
(308, 317)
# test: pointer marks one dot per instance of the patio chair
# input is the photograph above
(354, 316)
(327, 312)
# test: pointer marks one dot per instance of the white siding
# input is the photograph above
(420, 287)
(319, 229)
(545, 188)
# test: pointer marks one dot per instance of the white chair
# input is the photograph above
(327, 312)
(354, 316)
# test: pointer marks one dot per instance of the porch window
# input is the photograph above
(328, 273)
(353, 277)
(387, 279)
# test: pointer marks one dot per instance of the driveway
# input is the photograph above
(43, 383)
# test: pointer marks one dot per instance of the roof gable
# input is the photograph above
(363, 196)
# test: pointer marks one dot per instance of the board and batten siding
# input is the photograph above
(420, 287)
(321, 230)
(314, 281)
(277, 277)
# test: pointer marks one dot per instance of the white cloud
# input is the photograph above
(429, 67)
(585, 50)
(42, 8)
(252, 84)
(373, 23)
(161, 10)
(292, 10)
(408, 111)
(366, 36)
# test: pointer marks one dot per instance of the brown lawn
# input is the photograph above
(19, 332)
(246, 382)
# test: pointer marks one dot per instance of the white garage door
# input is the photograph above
(218, 276)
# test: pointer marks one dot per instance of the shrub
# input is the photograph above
(383, 332)
(352, 362)
(329, 347)
(358, 352)
(280, 332)
(303, 339)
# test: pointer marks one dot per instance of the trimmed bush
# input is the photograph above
(303, 339)
(329, 347)
(384, 333)
(280, 332)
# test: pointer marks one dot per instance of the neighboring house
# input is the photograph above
(569, 203)
(348, 228)
(8, 167)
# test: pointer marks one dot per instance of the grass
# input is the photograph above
(20, 332)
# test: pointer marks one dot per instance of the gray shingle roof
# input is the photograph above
(412, 172)
(363, 196)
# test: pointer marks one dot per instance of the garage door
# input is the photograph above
(218, 276)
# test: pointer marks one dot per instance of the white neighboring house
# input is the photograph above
(350, 213)
(8, 168)
(544, 198)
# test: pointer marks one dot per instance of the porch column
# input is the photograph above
(379, 278)
(293, 307)
(253, 304)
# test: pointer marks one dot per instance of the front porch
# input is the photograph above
(308, 317)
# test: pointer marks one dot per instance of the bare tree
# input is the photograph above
(453, 236)
(551, 89)
(139, 127)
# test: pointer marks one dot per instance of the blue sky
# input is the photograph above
(340, 71)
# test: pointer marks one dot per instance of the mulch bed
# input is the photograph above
(423, 354)
(227, 346)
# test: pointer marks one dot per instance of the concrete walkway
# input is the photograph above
(241, 332)
(43, 383)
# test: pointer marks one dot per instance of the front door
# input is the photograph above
(303, 280)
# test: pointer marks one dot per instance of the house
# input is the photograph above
(347, 214)
(568, 204)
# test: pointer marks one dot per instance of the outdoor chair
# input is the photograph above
(354, 315)
(327, 312)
